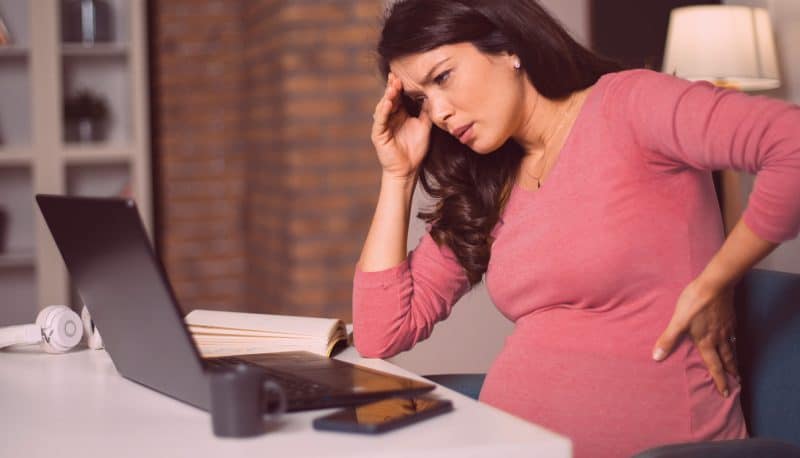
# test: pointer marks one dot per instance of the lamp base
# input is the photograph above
(725, 84)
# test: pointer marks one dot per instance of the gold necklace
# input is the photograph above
(555, 132)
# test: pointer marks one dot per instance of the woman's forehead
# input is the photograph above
(413, 68)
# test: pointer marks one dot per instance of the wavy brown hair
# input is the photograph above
(470, 189)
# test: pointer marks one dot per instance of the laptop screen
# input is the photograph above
(112, 265)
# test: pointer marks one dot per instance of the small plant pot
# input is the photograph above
(86, 130)
(86, 116)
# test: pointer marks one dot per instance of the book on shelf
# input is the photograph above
(220, 333)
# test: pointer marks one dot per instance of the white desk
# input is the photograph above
(77, 405)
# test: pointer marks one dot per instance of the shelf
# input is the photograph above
(94, 50)
(15, 108)
(101, 153)
(13, 51)
(38, 72)
(18, 287)
(15, 156)
(98, 180)
(112, 21)
(17, 259)
(110, 80)
(16, 16)
(16, 209)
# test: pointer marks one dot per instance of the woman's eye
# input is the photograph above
(419, 100)
(442, 77)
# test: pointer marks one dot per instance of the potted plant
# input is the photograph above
(86, 117)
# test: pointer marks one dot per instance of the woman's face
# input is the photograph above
(479, 98)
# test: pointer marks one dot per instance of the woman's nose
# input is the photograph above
(440, 112)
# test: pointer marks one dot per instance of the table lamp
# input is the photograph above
(730, 46)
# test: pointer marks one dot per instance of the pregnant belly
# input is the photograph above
(610, 400)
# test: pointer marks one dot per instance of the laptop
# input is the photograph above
(117, 275)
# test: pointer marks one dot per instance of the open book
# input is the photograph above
(219, 333)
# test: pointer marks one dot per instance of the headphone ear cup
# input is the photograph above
(93, 338)
(61, 328)
(45, 316)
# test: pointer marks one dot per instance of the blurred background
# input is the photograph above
(241, 128)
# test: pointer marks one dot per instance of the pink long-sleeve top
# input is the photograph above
(589, 267)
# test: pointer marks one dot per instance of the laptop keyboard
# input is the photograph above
(293, 386)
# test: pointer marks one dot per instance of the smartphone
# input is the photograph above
(385, 415)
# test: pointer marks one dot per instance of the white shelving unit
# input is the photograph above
(37, 72)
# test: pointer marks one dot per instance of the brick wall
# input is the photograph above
(267, 177)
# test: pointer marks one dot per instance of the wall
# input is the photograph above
(311, 87)
(267, 178)
(573, 15)
(198, 87)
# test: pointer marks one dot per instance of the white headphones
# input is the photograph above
(58, 329)
(93, 338)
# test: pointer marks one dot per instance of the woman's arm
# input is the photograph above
(680, 126)
(386, 241)
(397, 304)
(397, 299)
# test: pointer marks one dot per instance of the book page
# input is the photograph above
(284, 324)
(210, 348)
(220, 333)
(215, 330)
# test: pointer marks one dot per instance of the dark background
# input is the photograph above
(633, 32)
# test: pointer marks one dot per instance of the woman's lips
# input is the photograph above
(465, 134)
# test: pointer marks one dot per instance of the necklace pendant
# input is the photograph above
(538, 184)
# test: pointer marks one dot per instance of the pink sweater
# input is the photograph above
(589, 268)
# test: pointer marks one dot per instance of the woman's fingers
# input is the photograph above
(423, 116)
(728, 358)
(712, 359)
(395, 91)
(387, 106)
(382, 111)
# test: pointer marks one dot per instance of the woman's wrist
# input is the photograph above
(405, 182)
(714, 277)
(386, 243)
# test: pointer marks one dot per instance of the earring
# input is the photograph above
(517, 64)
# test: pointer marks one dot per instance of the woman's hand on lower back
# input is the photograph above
(707, 314)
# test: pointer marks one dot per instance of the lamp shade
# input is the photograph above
(725, 44)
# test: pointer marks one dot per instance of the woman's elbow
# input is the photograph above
(377, 341)
(369, 351)
(371, 347)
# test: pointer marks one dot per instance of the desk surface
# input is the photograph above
(76, 404)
